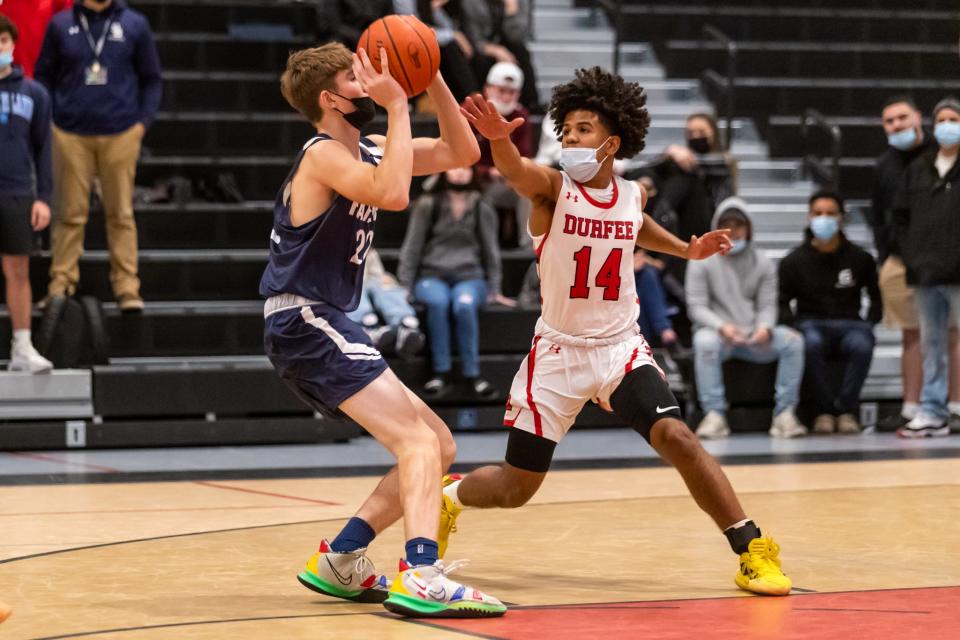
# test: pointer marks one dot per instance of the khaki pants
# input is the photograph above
(76, 160)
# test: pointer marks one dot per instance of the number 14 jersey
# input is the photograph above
(585, 261)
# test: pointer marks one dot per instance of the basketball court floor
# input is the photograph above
(206, 543)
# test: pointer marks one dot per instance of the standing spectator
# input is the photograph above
(31, 18)
(926, 215)
(100, 63)
(732, 301)
(25, 190)
(383, 298)
(826, 277)
(451, 261)
(504, 82)
(902, 124)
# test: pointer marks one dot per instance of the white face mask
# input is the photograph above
(581, 163)
(504, 108)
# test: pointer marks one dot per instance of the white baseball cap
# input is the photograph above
(505, 74)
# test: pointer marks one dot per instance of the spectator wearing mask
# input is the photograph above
(382, 298)
(926, 216)
(31, 18)
(690, 181)
(450, 259)
(25, 190)
(100, 63)
(732, 301)
(502, 88)
(826, 277)
(902, 124)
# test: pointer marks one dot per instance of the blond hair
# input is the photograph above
(310, 71)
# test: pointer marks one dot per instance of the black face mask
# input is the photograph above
(365, 111)
(699, 145)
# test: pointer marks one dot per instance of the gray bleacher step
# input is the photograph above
(563, 19)
(574, 35)
(65, 393)
(642, 73)
(587, 54)
(659, 92)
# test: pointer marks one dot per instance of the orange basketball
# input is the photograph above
(413, 54)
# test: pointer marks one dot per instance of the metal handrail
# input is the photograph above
(814, 119)
(728, 87)
(616, 8)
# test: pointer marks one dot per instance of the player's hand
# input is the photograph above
(486, 119)
(39, 215)
(717, 241)
(381, 86)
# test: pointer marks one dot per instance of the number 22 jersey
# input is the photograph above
(585, 261)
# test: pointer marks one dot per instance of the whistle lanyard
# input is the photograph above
(97, 46)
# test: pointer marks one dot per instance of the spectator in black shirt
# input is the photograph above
(825, 277)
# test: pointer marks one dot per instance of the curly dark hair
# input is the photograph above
(620, 106)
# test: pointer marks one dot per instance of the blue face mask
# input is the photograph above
(824, 227)
(947, 133)
(903, 140)
(736, 246)
(6, 58)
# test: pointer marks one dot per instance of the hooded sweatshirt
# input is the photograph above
(738, 289)
(134, 86)
(25, 164)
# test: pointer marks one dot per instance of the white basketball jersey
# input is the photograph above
(585, 260)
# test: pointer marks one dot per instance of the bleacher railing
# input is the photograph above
(813, 165)
(727, 85)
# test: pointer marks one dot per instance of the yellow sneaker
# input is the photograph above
(448, 516)
(760, 569)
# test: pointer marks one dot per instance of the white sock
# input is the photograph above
(910, 409)
(21, 337)
(737, 525)
(451, 492)
(954, 407)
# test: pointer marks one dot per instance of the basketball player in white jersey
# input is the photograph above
(587, 345)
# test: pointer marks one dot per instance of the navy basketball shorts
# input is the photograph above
(323, 356)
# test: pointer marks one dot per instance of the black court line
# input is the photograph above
(369, 470)
(423, 622)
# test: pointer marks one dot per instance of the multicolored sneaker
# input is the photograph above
(448, 516)
(427, 592)
(760, 569)
(350, 576)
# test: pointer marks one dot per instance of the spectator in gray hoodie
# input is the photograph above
(732, 302)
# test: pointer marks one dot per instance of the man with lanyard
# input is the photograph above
(100, 64)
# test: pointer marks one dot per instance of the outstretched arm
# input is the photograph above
(528, 178)
(655, 238)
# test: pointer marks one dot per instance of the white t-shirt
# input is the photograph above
(944, 163)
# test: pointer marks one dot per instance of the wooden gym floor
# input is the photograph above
(871, 546)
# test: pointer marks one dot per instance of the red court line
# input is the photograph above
(904, 614)
(266, 493)
(69, 463)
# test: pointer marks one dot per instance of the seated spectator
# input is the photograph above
(927, 233)
(25, 188)
(654, 309)
(826, 277)
(732, 301)
(104, 99)
(384, 312)
(498, 32)
(503, 89)
(451, 261)
(345, 20)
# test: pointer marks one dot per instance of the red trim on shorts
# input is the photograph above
(533, 406)
(597, 203)
(633, 357)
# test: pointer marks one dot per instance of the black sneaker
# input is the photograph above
(409, 341)
(436, 386)
(384, 339)
(892, 422)
(481, 388)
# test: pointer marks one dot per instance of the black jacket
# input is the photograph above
(828, 286)
(926, 222)
(887, 175)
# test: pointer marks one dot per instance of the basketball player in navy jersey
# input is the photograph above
(587, 346)
(324, 217)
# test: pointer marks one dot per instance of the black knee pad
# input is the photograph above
(529, 452)
(643, 398)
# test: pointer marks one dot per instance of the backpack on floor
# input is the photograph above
(72, 333)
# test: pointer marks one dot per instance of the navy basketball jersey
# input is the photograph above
(323, 259)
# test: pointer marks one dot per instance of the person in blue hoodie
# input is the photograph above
(25, 189)
(100, 63)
